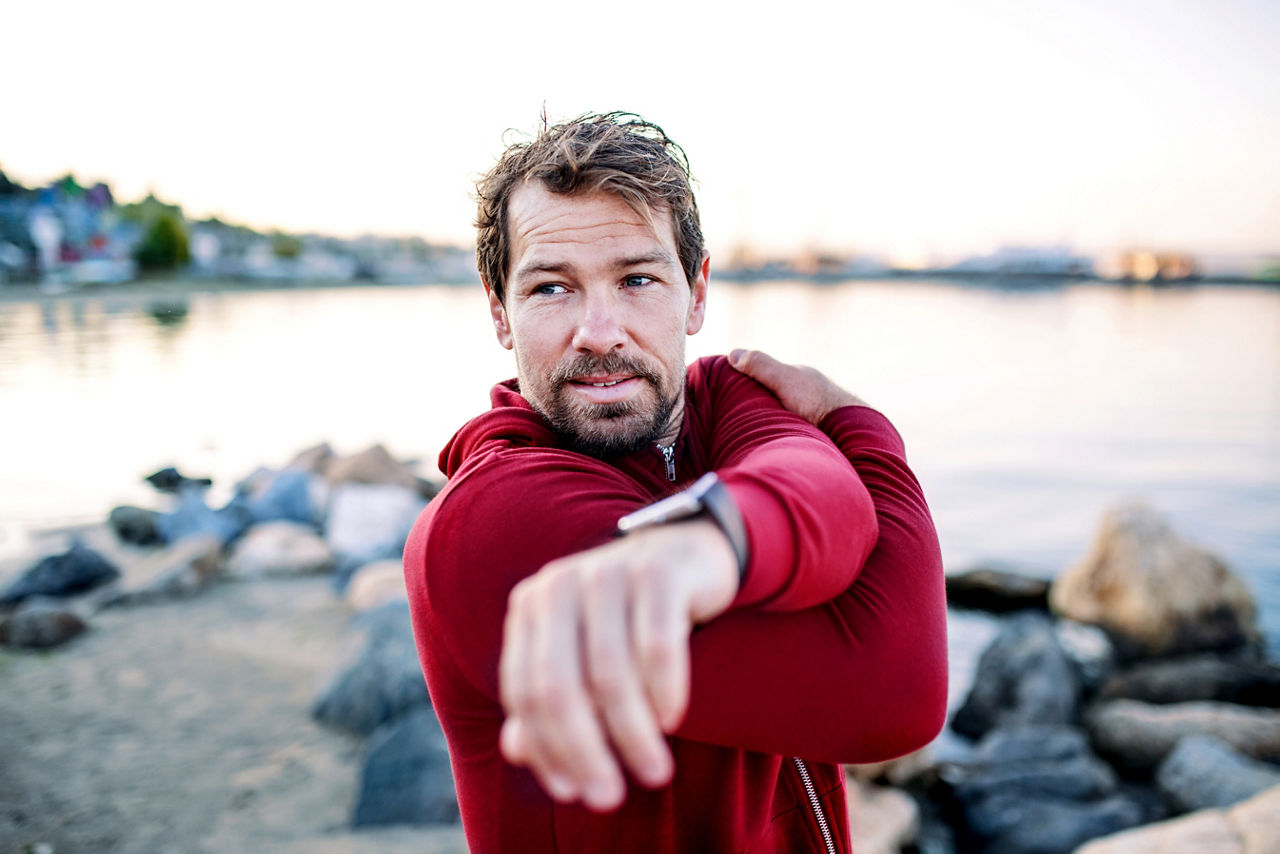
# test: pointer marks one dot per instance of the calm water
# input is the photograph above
(1026, 413)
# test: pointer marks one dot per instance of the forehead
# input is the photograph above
(543, 222)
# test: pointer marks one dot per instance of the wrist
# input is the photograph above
(714, 575)
(707, 497)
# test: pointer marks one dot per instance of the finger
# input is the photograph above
(565, 733)
(757, 365)
(515, 741)
(660, 635)
(615, 681)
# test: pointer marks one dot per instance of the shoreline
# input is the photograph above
(181, 287)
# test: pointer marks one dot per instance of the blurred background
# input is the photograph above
(1043, 238)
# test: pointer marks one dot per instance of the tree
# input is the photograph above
(164, 246)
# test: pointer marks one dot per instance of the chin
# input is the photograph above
(611, 430)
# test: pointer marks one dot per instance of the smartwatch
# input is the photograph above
(707, 496)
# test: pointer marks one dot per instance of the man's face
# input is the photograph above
(597, 308)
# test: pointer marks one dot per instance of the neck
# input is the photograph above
(672, 431)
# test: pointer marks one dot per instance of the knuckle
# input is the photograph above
(519, 698)
(657, 653)
(607, 683)
(549, 695)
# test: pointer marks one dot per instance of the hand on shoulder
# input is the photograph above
(805, 391)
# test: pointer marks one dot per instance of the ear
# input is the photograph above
(698, 297)
(498, 312)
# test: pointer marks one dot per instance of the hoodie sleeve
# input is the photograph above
(861, 678)
(495, 523)
(810, 520)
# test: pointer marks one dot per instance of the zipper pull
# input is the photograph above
(669, 456)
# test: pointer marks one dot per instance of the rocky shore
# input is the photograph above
(243, 677)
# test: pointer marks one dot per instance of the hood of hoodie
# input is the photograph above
(511, 422)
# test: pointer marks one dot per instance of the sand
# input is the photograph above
(183, 727)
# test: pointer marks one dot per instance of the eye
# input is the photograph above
(637, 281)
(549, 290)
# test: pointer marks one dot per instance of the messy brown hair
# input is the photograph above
(616, 152)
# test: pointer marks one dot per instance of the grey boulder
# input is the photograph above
(1203, 772)
(77, 570)
(406, 777)
(1023, 677)
(40, 623)
(383, 681)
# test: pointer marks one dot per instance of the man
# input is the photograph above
(692, 684)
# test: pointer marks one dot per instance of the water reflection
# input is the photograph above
(1027, 413)
(169, 314)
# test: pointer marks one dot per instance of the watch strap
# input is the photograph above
(707, 495)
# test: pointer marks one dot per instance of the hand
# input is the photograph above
(595, 658)
(805, 391)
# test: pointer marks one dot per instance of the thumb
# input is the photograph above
(755, 364)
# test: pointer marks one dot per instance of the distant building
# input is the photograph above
(1027, 261)
(1143, 265)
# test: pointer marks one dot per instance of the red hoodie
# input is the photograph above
(834, 649)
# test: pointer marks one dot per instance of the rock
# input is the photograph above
(292, 495)
(997, 590)
(313, 459)
(1090, 652)
(898, 772)
(279, 548)
(1252, 827)
(1009, 824)
(376, 584)
(1080, 778)
(368, 522)
(134, 525)
(180, 570)
(372, 465)
(1035, 762)
(881, 820)
(1257, 820)
(1138, 736)
(76, 570)
(1031, 744)
(171, 481)
(1044, 774)
(1023, 677)
(406, 777)
(192, 516)
(1203, 771)
(1199, 677)
(41, 622)
(384, 681)
(1152, 592)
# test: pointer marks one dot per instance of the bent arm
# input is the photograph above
(810, 520)
(860, 679)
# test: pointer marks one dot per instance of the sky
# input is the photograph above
(911, 129)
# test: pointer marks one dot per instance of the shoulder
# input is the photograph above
(714, 385)
(512, 510)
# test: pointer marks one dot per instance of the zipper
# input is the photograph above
(813, 802)
(669, 457)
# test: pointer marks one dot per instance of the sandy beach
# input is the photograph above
(183, 727)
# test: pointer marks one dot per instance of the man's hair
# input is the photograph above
(617, 152)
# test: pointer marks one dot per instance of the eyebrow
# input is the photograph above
(531, 268)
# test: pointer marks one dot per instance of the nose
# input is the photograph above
(600, 326)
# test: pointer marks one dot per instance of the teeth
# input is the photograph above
(606, 385)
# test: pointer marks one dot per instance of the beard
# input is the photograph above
(605, 430)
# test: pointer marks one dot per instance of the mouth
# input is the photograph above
(606, 382)
(605, 389)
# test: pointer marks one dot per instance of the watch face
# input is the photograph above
(678, 506)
